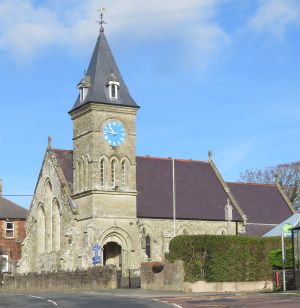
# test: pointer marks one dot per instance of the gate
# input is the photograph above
(131, 279)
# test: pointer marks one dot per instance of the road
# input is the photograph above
(144, 298)
(89, 300)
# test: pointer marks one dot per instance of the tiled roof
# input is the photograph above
(9, 210)
(199, 194)
(261, 203)
(65, 160)
(257, 229)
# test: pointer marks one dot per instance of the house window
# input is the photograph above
(3, 263)
(113, 88)
(113, 91)
(9, 230)
(113, 174)
(148, 246)
(123, 174)
(102, 170)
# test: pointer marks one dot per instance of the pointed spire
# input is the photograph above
(102, 74)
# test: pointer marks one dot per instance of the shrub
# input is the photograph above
(224, 258)
(276, 258)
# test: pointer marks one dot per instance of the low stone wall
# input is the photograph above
(170, 277)
(248, 286)
(96, 278)
(162, 276)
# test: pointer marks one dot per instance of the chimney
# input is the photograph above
(0, 187)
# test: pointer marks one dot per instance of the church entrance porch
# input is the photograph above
(112, 255)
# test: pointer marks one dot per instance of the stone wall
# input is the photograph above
(170, 277)
(96, 278)
(162, 276)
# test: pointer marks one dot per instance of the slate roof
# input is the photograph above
(65, 160)
(10, 210)
(199, 194)
(101, 68)
(261, 203)
(257, 229)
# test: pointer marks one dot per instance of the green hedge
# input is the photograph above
(224, 258)
(276, 258)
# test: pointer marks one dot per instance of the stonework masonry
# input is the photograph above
(94, 279)
(85, 208)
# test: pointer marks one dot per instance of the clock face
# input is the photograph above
(114, 132)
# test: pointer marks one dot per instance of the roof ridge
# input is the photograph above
(1, 197)
(253, 184)
(170, 158)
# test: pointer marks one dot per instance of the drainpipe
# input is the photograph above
(174, 197)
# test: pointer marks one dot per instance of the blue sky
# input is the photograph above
(208, 74)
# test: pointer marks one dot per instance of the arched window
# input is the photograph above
(80, 173)
(83, 174)
(113, 173)
(76, 180)
(148, 246)
(123, 174)
(102, 172)
(40, 230)
(86, 173)
(48, 215)
(55, 226)
(185, 231)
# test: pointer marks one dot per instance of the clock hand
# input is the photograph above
(111, 129)
(113, 133)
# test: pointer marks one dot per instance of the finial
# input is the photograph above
(101, 22)
(209, 155)
(228, 201)
(276, 176)
(49, 142)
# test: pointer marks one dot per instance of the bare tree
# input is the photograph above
(288, 176)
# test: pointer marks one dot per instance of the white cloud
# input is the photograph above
(275, 16)
(26, 27)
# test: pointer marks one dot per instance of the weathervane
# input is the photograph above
(101, 22)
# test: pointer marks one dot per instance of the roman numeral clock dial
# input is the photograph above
(114, 132)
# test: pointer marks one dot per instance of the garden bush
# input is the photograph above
(224, 258)
(276, 258)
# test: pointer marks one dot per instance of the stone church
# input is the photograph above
(100, 204)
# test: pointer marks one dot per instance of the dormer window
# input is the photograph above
(113, 87)
(83, 87)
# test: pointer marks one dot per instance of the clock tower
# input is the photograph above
(104, 137)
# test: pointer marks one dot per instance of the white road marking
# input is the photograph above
(48, 300)
(36, 296)
(54, 303)
(175, 305)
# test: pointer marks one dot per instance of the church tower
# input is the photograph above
(104, 163)
(104, 158)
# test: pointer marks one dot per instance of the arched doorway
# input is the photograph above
(112, 255)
